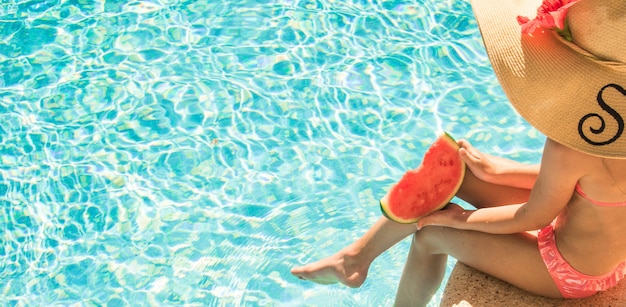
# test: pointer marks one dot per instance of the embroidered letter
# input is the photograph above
(596, 131)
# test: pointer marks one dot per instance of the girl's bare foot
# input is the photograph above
(340, 267)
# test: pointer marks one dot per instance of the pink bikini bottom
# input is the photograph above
(571, 283)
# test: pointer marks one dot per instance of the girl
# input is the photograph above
(565, 72)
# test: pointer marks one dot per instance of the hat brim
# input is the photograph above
(564, 92)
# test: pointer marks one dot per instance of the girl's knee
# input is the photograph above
(428, 237)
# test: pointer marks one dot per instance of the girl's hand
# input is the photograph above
(481, 165)
(452, 215)
(497, 170)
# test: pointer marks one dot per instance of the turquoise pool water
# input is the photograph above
(190, 152)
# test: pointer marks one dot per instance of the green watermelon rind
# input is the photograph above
(450, 140)
(382, 209)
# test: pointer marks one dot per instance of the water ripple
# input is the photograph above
(184, 152)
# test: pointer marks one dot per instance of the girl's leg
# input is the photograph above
(482, 194)
(349, 266)
(513, 258)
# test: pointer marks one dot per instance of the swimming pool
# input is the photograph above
(191, 153)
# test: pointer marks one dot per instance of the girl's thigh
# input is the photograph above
(514, 258)
(483, 194)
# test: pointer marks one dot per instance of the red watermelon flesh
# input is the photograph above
(429, 187)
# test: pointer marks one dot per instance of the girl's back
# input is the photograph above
(591, 232)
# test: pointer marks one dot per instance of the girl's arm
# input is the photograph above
(498, 170)
(550, 194)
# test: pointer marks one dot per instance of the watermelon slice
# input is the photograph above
(429, 187)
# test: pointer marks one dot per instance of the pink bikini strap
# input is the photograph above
(598, 203)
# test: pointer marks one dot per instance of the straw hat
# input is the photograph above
(572, 91)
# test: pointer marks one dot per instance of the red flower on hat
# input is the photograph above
(550, 15)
